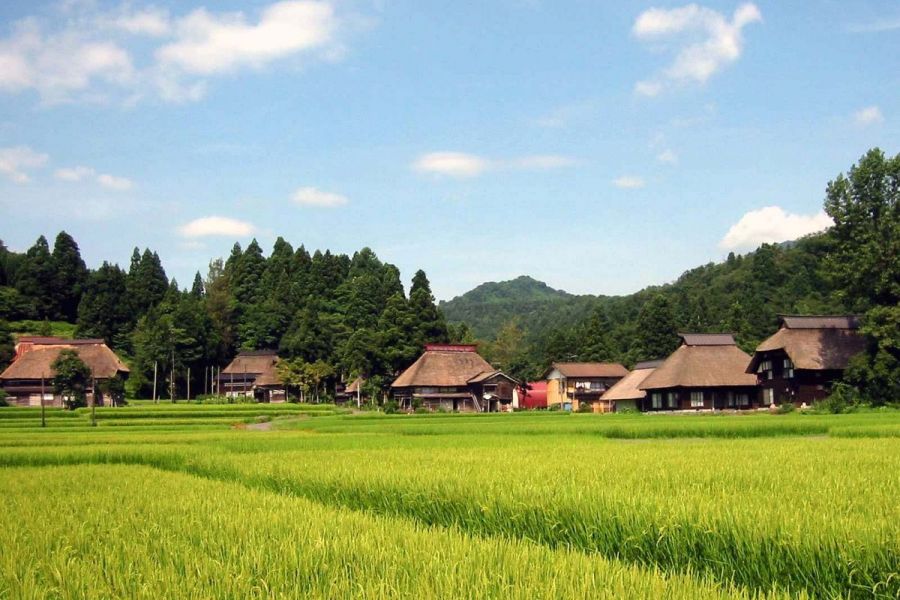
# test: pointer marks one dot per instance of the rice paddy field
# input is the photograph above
(297, 501)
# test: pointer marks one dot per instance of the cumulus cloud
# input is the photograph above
(462, 165)
(870, 115)
(771, 224)
(112, 182)
(82, 173)
(310, 196)
(16, 161)
(628, 182)
(705, 41)
(216, 226)
(74, 173)
(130, 54)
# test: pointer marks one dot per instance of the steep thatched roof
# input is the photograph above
(444, 366)
(34, 360)
(251, 362)
(814, 343)
(353, 386)
(627, 387)
(589, 369)
(702, 361)
(269, 377)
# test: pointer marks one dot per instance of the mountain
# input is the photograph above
(742, 295)
(487, 307)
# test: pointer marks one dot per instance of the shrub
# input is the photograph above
(786, 407)
(3, 401)
(391, 407)
(843, 398)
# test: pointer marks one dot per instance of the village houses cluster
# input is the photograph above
(708, 371)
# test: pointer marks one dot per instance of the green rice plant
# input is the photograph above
(201, 539)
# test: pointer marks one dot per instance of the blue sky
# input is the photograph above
(600, 147)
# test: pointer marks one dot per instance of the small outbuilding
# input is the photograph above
(626, 394)
(31, 372)
(805, 356)
(531, 395)
(454, 377)
(707, 372)
(569, 385)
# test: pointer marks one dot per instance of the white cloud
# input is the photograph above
(112, 182)
(667, 156)
(705, 39)
(772, 224)
(207, 43)
(15, 161)
(74, 173)
(216, 226)
(150, 21)
(82, 173)
(628, 182)
(310, 196)
(85, 53)
(459, 164)
(870, 115)
(452, 164)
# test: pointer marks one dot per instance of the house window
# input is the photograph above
(673, 399)
(768, 396)
(765, 368)
(743, 399)
(788, 369)
(656, 400)
(730, 398)
(696, 399)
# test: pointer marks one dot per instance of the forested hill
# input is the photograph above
(741, 295)
(487, 307)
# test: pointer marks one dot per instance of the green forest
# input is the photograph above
(351, 315)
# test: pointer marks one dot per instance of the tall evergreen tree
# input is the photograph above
(147, 282)
(7, 345)
(427, 320)
(657, 333)
(35, 278)
(69, 276)
(104, 308)
(197, 286)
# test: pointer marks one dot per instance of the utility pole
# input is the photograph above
(172, 379)
(206, 380)
(154, 381)
(189, 384)
(93, 399)
(43, 415)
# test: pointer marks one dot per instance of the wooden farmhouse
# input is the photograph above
(252, 373)
(707, 372)
(805, 356)
(626, 393)
(569, 385)
(31, 372)
(454, 377)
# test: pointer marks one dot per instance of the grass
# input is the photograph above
(803, 504)
(61, 329)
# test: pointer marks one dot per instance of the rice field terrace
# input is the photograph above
(200, 501)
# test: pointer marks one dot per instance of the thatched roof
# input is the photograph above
(34, 360)
(589, 369)
(706, 362)
(707, 339)
(269, 377)
(814, 343)
(627, 387)
(819, 321)
(353, 386)
(444, 366)
(252, 362)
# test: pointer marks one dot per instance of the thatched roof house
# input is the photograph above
(33, 363)
(248, 370)
(626, 392)
(707, 371)
(453, 377)
(805, 356)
